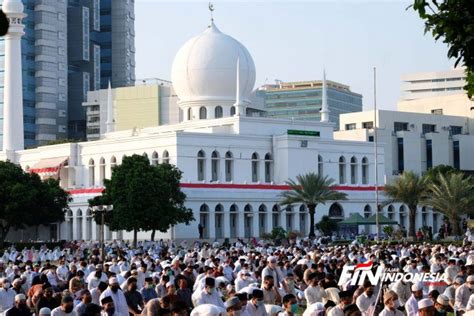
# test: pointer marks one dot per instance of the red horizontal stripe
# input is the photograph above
(235, 186)
(45, 170)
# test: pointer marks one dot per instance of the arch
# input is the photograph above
(342, 170)
(218, 112)
(255, 167)
(101, 170)
(166, 157)
(89, 224)
(79, 220)
(248, 221)
(229, 166)
(202, 113)
(234, 222)
(204, 219)
(289, 217)
(303, 219)
(402, 215)
(232, 110)
(215, 161)
(268, 168)
(367, 211)
(353, 170)
(336, 211)
(262, 218)
(276, 215)
(219, 220)
(189, 113)
(391, 212)
(201, 166)
(365, 170)
(113, 161)
(91, 172)
(424, 216)
(154, 158)
(320, 165)
(145, 155)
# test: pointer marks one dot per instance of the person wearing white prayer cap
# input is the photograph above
(426, 307)
(411, 306)
(462, 294)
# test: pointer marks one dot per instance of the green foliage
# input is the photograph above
(433, 173)
(453, 195)
(453, 21)
(144, 197)
(25, 200)
(327, 226)
(409, 188)
(388, 230)
(278, 233)
(311, 189)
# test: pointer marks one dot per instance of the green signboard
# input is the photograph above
(303, 133)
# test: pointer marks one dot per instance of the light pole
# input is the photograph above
(376, 173)
(101, 210)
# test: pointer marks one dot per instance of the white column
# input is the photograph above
(210, 112)
(261, 168)
(74, 226)
(94, 233)
(255, 222)
(107, 232)
(296, 219)
(240, 223)
(226, 223)
(84, 225)
(13, 135)
(283, 218)
(212, 224)
(268, 221)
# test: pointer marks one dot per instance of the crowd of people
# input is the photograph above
(255, 279)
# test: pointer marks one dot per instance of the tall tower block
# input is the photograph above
(13, 138)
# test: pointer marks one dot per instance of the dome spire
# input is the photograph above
(238, 103)
(211, 10)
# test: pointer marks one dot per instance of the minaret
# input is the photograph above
(13, 137)
(238, 104)
(110, 123)
(324, 107)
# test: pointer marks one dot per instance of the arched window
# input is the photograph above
(232, 110)
(248, 222)
(391, 212)
(145, 155)
(255, 167)
(336, 211)
(289, 218)
(79, 224)
(353, 170)
(166, 157)
(262, 218)
(234, 223)
(367, 211)
(91, 172)
(268, 168)
(275, 216)
(189, 114)
(219, 220)
(303, 216)
(218, 112)
(229, 166)
(202, 113)
(204, 219)
(365, 170)
(113, 163)
(215, 166)
(101, 170)
(154, 159)
(201, 166)
(320, 165)
(424, 216)
(342, 170)
(402, 216)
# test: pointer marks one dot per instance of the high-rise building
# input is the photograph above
(303, 100)
(432, 84)
(70, 47)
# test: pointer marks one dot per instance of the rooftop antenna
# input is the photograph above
(211, 9)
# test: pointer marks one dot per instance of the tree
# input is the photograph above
(144, 197)
(25, 200)
(452, 20)
(326, 225)
(452, 195)
(408, 188)
(432, 174)
(311, 189)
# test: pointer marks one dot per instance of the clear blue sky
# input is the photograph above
(294, 40)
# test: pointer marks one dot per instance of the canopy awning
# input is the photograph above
(49, 165)
(382, 220)
(355, 219)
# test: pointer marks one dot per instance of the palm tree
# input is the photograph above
(311, 189)
(453, 195)
(409, 188)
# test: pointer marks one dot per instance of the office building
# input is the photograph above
(431, 84)
(303, 100)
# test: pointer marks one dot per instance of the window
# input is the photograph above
(368, 125)
(456, 155)
(154, 159)
(320, 165)
(218, 112)
(350, 126)
(401, 164)
(428, 128)
(113, 162)
(166, 157)
(201, 166)
(429, 154)
(228, 166)
(371, 138)
(254, 167)
(365, 170)
(391, 212)
(189, 114)
(202, 113)
(232, 110)
(342, 170)
(101, 171)
(214, 166)
(268, 168)
(353, 170)
(455, 130)
(437, 111)
(91, 172)
(400, 126)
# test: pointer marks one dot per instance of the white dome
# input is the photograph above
(12, 6)
(205, 69)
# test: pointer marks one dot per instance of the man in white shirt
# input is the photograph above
(345, 299)
(390, 300)
(209, 294)
(411, 306)
(366, 301)
(7, 295)
(120, 302)
(271, 269)
(314, 293)
(66, 308)
(403, 290)
(462, 294)
(256, 306)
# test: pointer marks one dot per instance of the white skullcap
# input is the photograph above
(20, 297)
(208, 310)
(169, 284)
(417, 287)
(45, 311)
(424, 303)
(314, 309)
(273, 309)
(470, 278)
(113, 280)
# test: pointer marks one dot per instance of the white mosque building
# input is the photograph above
(234, 166)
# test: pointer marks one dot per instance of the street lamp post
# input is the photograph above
(101, 210)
